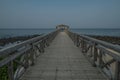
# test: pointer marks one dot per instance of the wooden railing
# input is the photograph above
(14, 60)
(101, 54)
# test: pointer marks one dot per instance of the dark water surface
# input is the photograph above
(101, 32)
(23, 32)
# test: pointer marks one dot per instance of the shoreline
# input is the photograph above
(111, 39)
(17, 39)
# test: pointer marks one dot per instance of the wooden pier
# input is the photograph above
(61, 55)
(62, 60)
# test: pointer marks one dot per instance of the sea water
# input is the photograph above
(5, 33)
(99, 32)
(24, 32)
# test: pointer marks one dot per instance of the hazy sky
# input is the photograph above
(49, 13)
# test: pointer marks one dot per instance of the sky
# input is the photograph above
(49, 13)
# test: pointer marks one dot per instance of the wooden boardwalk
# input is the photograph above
(62, 60)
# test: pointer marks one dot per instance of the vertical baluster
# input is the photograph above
(100, 58)
(32, 56)
(85, 47)
(95, 55)
(43, 47)
(82, 45)
(90, 51)
(47, 44)
(48, 40)
(74, 38)
(77, 40)
(38, 47)
(117, 71)
(26, 60)
(10, 70)
(43, 43)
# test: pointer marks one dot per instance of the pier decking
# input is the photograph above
(62, 60)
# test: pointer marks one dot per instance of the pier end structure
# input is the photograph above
(62, 27)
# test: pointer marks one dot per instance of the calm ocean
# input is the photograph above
(101, 32)
(22, 32)
(4, 33)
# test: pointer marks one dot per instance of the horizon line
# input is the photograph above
(55, 28)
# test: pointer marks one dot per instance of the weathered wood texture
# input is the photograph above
(101, 54)
(62, 60)
(15, 59)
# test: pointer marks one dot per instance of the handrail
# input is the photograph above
(23, 55)
(12, 48)
(104, 55)
(106, 44)
(103, 43)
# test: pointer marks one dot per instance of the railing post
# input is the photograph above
(42, 47)
(117, 71)
(100, 59)
(47, 42)
(26, 61)
(82, 45)
(91, 52)
(77, 40)
(95, 52)
(32, 53)
(10, 71)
